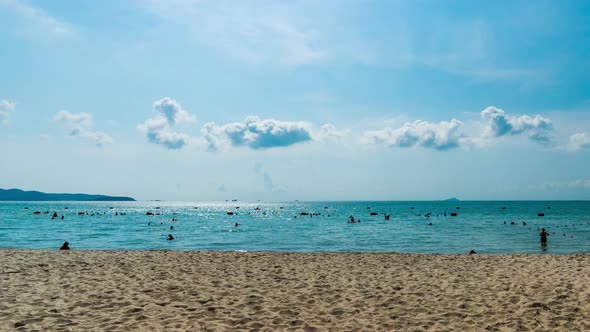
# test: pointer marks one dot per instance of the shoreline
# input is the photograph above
(239, 251)
(159, 290)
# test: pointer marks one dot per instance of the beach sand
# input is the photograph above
(220, 291)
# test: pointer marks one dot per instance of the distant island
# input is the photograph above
(452, 199)
(21, 195)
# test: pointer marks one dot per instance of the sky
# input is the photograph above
(199, 100)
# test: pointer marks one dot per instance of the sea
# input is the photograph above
(412, 226)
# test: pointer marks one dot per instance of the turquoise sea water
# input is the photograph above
(281, 227)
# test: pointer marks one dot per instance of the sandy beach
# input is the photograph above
(221, 291)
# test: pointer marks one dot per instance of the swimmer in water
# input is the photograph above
(170, 237)
(65, 246)
(543, 236)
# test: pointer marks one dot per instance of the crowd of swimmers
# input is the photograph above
(544, 234)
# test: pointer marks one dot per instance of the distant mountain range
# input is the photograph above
(452, 199)
(20, 195)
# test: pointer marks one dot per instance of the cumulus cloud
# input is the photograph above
(329, 133)
(439, 136)
(579, 141)
(6, 108)
(80, 125)
(172, 111)
(500, 124)
(255, 133)
(158, 130)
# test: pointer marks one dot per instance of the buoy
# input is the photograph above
(540, 214)
(229, 213)
(453, 214)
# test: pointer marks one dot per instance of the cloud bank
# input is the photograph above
(499, 124)
(447, 135)
(255, 133)
(439, 136)
(80, 125)
(6, 108)
(158, 130)
(579, 141)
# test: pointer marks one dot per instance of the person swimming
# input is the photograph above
(170, 237)
(543, 236)
(65, 246)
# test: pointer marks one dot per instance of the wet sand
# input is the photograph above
(224, 291)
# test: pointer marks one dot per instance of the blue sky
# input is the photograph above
(309, 100)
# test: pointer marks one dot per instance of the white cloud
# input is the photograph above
(37, 16)
(255, 133)
(566, 185)
(499, 124)
(80, 125)
(440, 136)
(158, 130)
(329, 133)
(172, 111)
(579, 184)
(6, 108)
(579, 141)
(265, 33)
